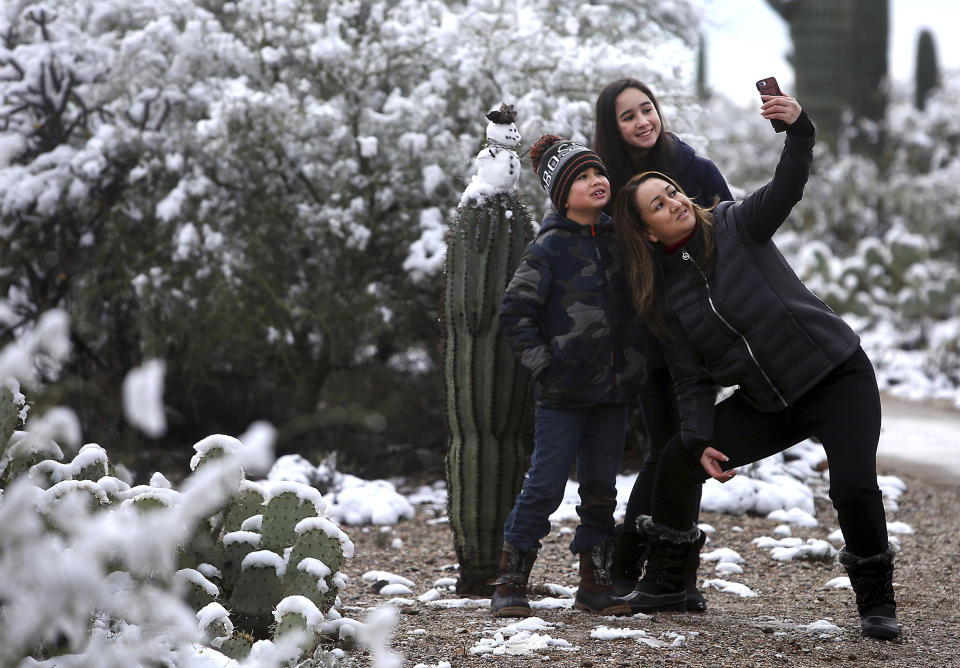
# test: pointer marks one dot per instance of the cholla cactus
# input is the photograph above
(487, 391)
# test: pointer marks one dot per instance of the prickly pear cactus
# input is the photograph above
(274, 544)
(24, 451)
(488, 393)
(896, 274)
(257, 592)
(267, 553)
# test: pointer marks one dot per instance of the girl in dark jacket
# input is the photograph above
(731, 311)
(631, 137)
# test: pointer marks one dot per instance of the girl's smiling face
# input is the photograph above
(666, 212)
(637, 119)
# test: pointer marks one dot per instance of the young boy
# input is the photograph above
(568, 317)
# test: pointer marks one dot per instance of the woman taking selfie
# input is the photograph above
(731, 311)
(631, 137)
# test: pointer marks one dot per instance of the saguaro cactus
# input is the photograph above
(927, 75)
(488, 393)
(840, 60)
(703, 78)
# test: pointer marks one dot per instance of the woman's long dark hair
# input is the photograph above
(609, 144)
(644, 258)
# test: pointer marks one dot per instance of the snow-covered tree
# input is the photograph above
(241, 187)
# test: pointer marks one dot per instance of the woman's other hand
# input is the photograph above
(780, 107)
(710, 461)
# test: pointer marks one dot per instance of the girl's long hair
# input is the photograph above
(644, 258)
(609, 144)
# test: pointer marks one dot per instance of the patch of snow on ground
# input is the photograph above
(728, 587)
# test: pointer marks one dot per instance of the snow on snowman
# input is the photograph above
(498, 165)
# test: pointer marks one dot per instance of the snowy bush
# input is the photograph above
(236, 187)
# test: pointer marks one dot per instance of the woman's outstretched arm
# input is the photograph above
(764, 211)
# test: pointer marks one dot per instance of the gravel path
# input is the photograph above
(770, 629)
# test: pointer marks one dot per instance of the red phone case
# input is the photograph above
(769, 86)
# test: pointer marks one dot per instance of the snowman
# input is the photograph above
(498, 164)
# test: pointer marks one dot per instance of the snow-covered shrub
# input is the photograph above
(260, 172)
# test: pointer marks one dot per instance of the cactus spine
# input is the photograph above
(487, 391)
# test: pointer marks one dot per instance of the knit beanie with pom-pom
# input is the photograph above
(557, 161)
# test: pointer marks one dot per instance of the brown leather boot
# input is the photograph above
(510, 596)
(595, 593)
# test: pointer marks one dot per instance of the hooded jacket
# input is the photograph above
(567, 315)
(749, 321)
(699, 177)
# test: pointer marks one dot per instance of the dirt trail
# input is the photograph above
(920, 438)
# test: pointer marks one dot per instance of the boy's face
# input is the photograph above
(589, 193)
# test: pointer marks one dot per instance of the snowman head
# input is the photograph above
(501, 128)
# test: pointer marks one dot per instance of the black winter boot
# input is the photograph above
(510, 596)
(629, 553)
(663, 585)
(695, 600)
(872, 581)
(595, 593)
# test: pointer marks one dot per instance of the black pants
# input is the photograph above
(658, 405)
(842, 412)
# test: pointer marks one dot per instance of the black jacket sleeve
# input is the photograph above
(765, 210)
(696, 391)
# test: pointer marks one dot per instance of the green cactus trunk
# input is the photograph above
(927, 75)
(703, 79)
(840, 61)
(488, 402)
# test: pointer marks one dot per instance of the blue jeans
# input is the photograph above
(593, 438)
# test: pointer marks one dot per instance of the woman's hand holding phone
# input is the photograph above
(781, 110)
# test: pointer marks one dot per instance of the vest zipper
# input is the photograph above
(686, 256)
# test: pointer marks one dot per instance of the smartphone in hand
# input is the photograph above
(769, 86)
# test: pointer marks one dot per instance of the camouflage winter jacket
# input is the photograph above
(567, 315)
